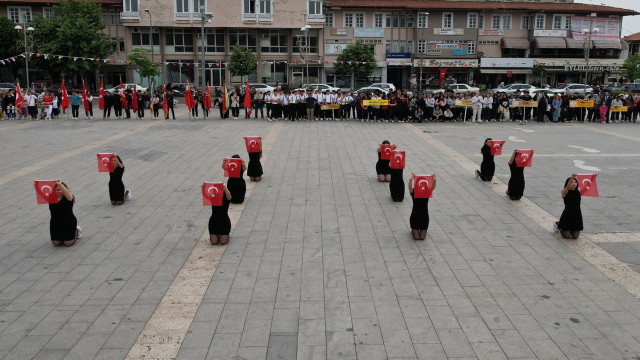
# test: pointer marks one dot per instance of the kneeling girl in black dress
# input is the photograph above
(515, 189)
(219, 222)
(254, 170)
(570, 223)
(63, 225)
(382, 166)
(237, 186)
(488, 166)
(117, 193)
(419, 220)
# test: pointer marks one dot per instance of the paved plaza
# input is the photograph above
(321, 262)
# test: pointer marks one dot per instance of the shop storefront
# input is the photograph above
(560, 71)
(494, 71)
(455, 71)
(398, 66)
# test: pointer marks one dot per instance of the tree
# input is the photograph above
(357, 59)
(631, 67)
(142, 64)
(242, 61)
(74, 31)
(539, 70)
(10, 45)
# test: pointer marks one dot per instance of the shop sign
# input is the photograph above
(554, 33)
(609, 28)
(451, 63)
(491, 32)
(446, 46)
(595, 68)
(368, 32)
(525, 63)
(334, 48)
(398, 62)
(459, 52)
(448, 31)
(339, 31)
(433, 52)
(398, 55)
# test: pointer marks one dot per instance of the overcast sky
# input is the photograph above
(630, 24)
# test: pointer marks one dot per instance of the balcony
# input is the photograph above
(130, 16)
(257, 18)
(187, 16)
(315, 19)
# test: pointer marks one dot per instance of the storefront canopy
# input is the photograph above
(575, 44)
(514, 43)
(549, 43)
(606, 44)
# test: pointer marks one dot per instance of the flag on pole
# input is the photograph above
(207, 98)
(101, 100)
(134, 101)
(587, 184)
(247, 100)
(123, 98)
(225, 100)
(165, 105)
(65, 97)
(188, 97)
(18, 98)
(85, 99)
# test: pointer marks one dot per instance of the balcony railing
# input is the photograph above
(247, 17)
(315, 18)
(130, 15)
(187, 16)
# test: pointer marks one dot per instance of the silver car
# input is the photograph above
(580, 89)
(511, 89)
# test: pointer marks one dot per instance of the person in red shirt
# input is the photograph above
(47, 101)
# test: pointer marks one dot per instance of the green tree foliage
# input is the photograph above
(74, 31)
(142, 64)
(10, 44)
(630, 68)
(242, 61)
(356, 59)
(539, 70)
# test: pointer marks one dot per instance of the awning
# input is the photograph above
(575, 44)
(624, 45)
(504, 71)
(514, 43)
(606, 44)
(549, 43)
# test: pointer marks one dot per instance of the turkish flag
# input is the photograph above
(443, 73)
(423, 186)
(165, 104)
(101, 100)
(207, 98)
(524, 158)
(232, 167)
(105, 162)
(252, 143)
(46, 191)
(188, 97)
(19, 99)
(134, 100)
(85, 100)
(123, 98)
(496, 147)
(385, 151)
(588, 185)
(247, 99)
(65, 97)
(212, 194)
(397, 159)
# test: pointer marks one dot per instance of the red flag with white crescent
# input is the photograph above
(188, 97)
(105, 162)
(253, 143)
(19, 98)
(46, 191)
(587, 184)
(65, 97)
(207, 98)
(397, 159)
(134, 99)
(212, 194)
(247, 100)
(423, 186)
(123, 98)
(496, 147)
(85, 99)
(232, 167)
(524, 158)
(165, 104)
(385, 151)
(101, 100)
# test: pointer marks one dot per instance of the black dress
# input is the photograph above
(515, 190)
(63, 223)
(571, 218)
(396, 185)
(487, 167)
(219, 222)
(382, 166)
(238, 188)
(254, 169)
(116, 186)
(419, 219)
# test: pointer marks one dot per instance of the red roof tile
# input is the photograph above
(45, 2)
(479, 5)
(632, 37)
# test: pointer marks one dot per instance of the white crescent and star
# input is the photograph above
(586, 183)
(214, 192)
(47, 187)
(398, 157)
(105, 160)
(424, 187)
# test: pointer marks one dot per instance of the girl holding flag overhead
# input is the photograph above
(570, 223)
(488, 166)
(382, 166)
(236, 185)
(219, 222)
(419, 219)
(517, 163)
(63, 225)
(254, 148)
(117, 192)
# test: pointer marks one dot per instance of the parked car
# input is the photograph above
(371, 90)
(262, 87)
(634, 87)
(580, 89)
(7, 86)
(617, 88)
(386, 86)
(511, 89)
(126, 86)
(322, 87)
(455, 88)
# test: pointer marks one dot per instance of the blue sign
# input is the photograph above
(459, 52)
(398, 55)
(368, 32)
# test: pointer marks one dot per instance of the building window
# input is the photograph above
(141, 38)
(411, 46)
(561, 22)
(410, 21)
(20, 15)
(539, 23)
(114, 17)
(301, 38)
(253, 6)
(423, 20)
(315, 7)
(359, 20)
(447, 20)
(197, 5)
(105, 17)
(215, 41)
(481, 21)
(182, 6)
(243, 37)
(353, 20)
(118, 44)
(501, 22)
(472, 20)
(130, 5)
(525, 22)
(274, 41)
(328, 20)
(422, 46)
(347, 20)
(378, 20)
(559, 1)
(180, 39)
(471, 47)
(47, 13)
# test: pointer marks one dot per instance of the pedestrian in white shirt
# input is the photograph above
(476, 102)
(487, 106)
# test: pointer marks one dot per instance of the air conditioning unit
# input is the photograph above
(481, 54)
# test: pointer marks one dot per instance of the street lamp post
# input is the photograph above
(26, 51)
(307, 50)
(587, 46)
(153, 60)
(204, 16)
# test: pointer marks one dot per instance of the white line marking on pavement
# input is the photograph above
(589, 150)
(524, 130)
(164, 333)
(613, 237)
(583, 246)
(516, 139)
(580, 165)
